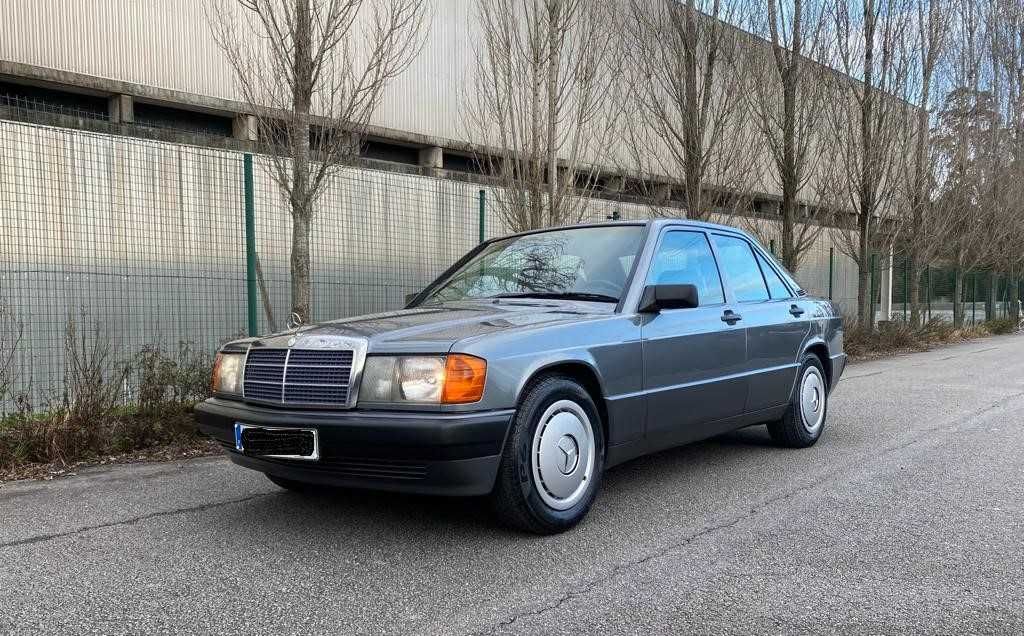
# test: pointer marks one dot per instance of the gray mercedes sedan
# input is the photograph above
(532, 365)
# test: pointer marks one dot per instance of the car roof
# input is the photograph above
(654, 224)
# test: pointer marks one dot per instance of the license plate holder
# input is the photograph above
(287, 439)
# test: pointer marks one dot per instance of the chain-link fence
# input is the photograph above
(985, 295)
(145, 242)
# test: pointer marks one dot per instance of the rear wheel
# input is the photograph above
(804, 420)
(553, 462)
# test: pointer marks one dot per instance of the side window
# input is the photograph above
(776, 287)
(741, 269)
(685, 258)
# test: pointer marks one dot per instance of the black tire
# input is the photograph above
(516, 500)
(294, 486)
(792, 431)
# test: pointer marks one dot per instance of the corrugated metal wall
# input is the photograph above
(168, 44)
(145, 239)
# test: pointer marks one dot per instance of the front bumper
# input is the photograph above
(429, 453)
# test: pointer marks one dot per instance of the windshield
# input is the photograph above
(589, 263)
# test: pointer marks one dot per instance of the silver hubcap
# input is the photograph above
(563, 454)
(812, 400)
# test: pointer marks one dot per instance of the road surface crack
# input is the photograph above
(128, 522)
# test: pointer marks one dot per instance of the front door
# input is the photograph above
(693, 360)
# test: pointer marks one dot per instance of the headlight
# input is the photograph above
(453, 379)
(227, 373)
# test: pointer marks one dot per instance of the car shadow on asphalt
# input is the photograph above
(396, 514)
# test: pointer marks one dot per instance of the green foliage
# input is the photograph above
(1000, 326)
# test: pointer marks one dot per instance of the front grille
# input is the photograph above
(262, 441)
(296, 377)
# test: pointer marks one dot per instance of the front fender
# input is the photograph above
(553, 360)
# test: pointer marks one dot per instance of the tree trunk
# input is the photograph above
(790, 257)
(300, 270)
(913, 291)
(554, 22)
(788, 170)
(301, 196)
(535, 167)
(865, 297)
(958, 297)
(693, 132)
(865, 303)
(992, 299)
(1014, 296)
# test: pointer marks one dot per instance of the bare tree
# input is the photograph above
(537, 105)
(871, 125)
(1008, 52)
(688, 116)
(313, 72)
(787, 98)
(927, 219)
(971, 139)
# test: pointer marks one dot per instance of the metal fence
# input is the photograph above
(985, 295)
(146, 241)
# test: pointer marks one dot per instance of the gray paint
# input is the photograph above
(665, 379)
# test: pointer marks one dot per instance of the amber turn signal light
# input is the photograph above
(215, 379)
(464, 377)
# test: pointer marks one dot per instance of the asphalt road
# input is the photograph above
(907, 517)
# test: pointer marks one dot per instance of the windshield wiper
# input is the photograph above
(600, 298)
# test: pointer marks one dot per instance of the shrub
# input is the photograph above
(1000, 326)
(899, 335)
(91, 418)
(182, 378)
(10, 338)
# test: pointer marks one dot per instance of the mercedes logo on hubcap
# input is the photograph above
(570, 454)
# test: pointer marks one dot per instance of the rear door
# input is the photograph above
(776, 328)
(693, 360)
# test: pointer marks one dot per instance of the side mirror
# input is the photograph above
(658, 297)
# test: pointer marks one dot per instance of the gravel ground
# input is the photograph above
(907, 516)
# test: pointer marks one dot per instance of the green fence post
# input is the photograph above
(906, 286)
(831, 269)
(974, 298)
(771, 246)
(928, 289)
(871, 297)
(483, 212)
(250, 247)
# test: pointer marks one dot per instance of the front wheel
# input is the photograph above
(804, 420)
(553, 462)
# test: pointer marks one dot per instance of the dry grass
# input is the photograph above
(10, 337)
(95, 417)
(898, 336)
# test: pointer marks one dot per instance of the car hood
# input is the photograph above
(437, 328)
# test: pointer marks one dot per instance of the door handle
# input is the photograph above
(731, 317)
(796, 311)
